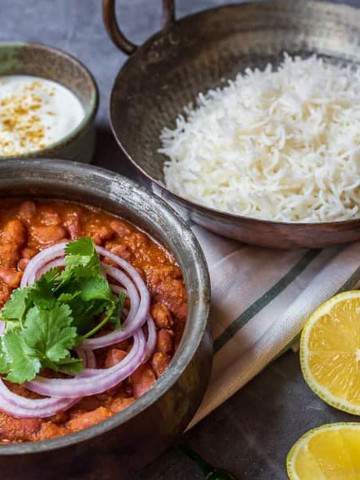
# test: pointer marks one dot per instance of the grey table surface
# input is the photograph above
(251, 433)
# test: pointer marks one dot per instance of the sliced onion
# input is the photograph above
(2, 328)
(92, 381)
(87, 356)
(133, 273)
(117, 289)
(23, 407)
(151, 339)
(39, 260)
(46, 259)
(130, 289)
(63, 393)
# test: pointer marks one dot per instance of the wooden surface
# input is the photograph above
(252, 432)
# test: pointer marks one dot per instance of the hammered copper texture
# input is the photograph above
(201, 51)
(142, 431)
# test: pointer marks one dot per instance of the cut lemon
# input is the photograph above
(330, 352)
(331, 452)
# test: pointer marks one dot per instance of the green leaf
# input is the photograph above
(42, 292)
(4, 365)
(49, 279)
(85, 313)
(68, 297)
(68, 365)
(95, 288)
(81, 255)
(46, 321)
(116, 315)
(50, 332)
(84, 246)
(22, 361)
(112, 314)
(95, 298)
(14, 309)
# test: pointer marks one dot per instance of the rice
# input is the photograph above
(278, 145)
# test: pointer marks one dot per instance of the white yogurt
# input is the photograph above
(35, 113)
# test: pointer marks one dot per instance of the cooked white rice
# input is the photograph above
(279, 145)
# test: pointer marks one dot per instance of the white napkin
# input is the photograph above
(260, 301)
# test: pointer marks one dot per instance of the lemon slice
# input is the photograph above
(330, 352)
(330, 452)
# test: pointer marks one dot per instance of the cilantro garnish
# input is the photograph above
(46, 321)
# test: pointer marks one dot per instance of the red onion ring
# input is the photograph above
(117, 289)
(87, 356)
(23, 407)
(92, 381)
(39, 260)
(151, 339)
(63, 393)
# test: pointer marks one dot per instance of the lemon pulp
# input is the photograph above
(330, 452)
(330, 352)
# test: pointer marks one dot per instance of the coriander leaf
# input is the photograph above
(22, 362)
(42, 292)
(50, 332)
(67, 297)
(84, 246)
(95, 288)
(116, 316)
(81, 255)
(50, 278)
(4, 366)
(95, 297)
(14, 309)
(83, 313)
(100, 325)
(68, 365)
(112, 314)
(51, 317)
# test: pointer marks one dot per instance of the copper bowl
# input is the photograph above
(131, 438)
(194, 54)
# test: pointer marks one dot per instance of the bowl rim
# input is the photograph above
(229, 217)
(91, 107)
(186, 350)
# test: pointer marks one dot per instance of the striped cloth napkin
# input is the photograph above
(260, 300)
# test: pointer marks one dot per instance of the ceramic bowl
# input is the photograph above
(52, 64)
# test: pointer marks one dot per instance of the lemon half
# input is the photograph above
(330, 452)
(330, 352)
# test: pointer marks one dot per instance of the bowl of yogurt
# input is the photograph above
(48, 104)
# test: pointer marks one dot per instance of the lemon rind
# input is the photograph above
(322, 392)
(292, 454)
